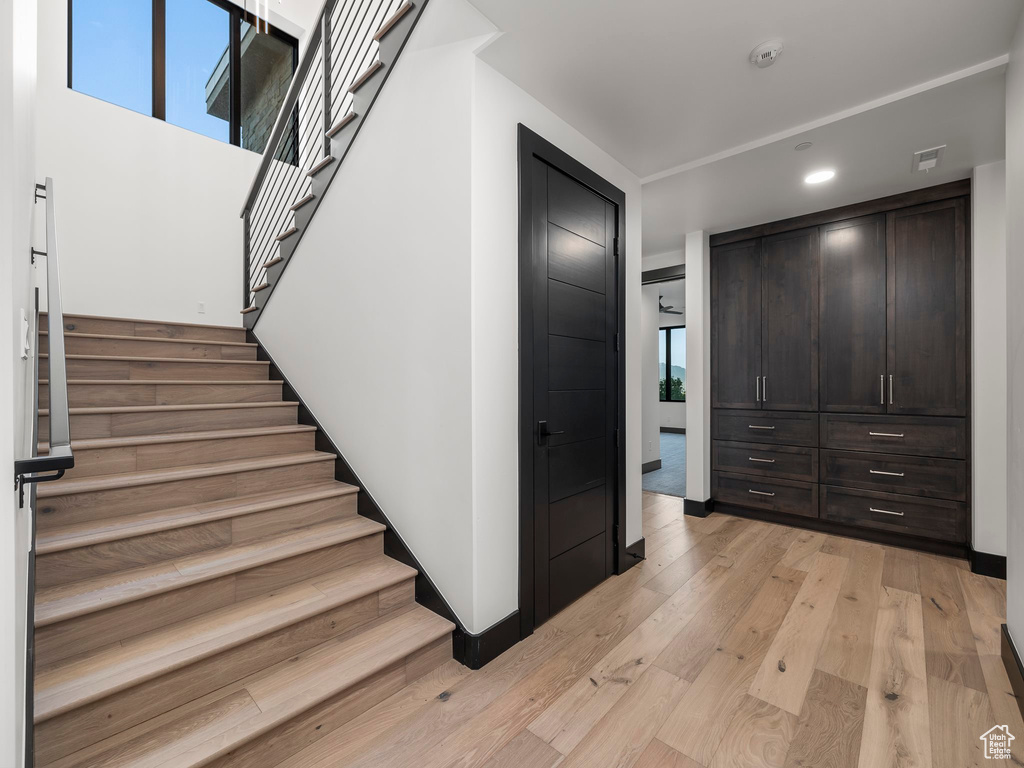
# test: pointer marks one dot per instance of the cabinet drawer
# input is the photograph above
(933, 518)
(936, 478)
(780, 427)
(774, 495)
(767, 460)
(914, 435)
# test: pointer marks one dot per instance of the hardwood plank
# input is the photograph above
(659, 755)
(690, 649)
(951, 650)
(786, 671)
(959, 747)
(758, 737)
(475, 742)
(619, 738)
(525, 751)
(342, 745)
(847, 648)
(983, 594)
(697, 725)
(676, 574)
(900, 570)
(896, 730)
(801, 553)
(829, 732)
(572, 716)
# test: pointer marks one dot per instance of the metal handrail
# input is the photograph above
(284, 114)
(59, 458)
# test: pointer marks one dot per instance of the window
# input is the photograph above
(672, 360)
(198, 64)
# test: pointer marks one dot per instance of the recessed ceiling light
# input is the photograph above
(819, 176)
(803, 145)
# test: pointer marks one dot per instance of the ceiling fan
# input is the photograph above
(666, 310)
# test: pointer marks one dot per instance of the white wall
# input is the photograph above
(394, 230)
(651, 405)
(1015, 336)
(149, 221)
(988, 353)
(17, 175)
(661, 260)
(438, 450)
(698, 366)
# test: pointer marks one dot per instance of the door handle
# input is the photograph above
(890, 389)
(543, 433)
(764, 389)
(881, 388)
(757, 385)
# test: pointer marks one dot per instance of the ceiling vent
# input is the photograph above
(766, 53)
(927, 159)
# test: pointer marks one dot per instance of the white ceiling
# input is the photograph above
(658, 84)
(871, 153)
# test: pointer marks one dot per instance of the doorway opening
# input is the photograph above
(664, 384)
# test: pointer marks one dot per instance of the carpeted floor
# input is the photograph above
(671, 478)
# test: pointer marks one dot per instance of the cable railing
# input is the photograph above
(59, 457)
(317, 113)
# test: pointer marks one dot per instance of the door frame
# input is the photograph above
(531, 145)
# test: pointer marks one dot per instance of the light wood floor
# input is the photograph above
(736, 643)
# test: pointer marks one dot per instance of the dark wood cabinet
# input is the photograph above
(849, 331)
(789, 325)
(927, 310)
(852, 329)
(736, 326)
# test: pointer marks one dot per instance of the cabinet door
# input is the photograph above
(736, 325)
(853, 275)
(927, 310)
(789, 326)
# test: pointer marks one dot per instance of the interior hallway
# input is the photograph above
(671, 478)
(735, 643)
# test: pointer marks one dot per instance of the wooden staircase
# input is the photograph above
(206, 593)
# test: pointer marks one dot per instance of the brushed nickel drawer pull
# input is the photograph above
(761, 493)
(880, 472)
(886, 434)
(763, 461)
(886, 512)
(754, 426)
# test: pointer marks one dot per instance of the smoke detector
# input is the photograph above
(766, 53)
(928, 159)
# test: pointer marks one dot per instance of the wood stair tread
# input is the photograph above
(278, 695)
(172, 382)
(191, 471)
(369, 72)
(172, 408)
(67, 601)
(396, 17)
(69, 685)
(150, 322)
(159, 339)
(181, 437)
(188, 360)
(94, 532)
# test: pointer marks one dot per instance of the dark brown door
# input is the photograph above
(789, 326)
(736, 325)
(927, 310)
(852, 331)
(575, 388)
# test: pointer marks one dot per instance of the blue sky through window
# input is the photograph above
(112, 54)
(197, 41)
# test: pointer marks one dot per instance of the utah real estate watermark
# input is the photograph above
(997, 742)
